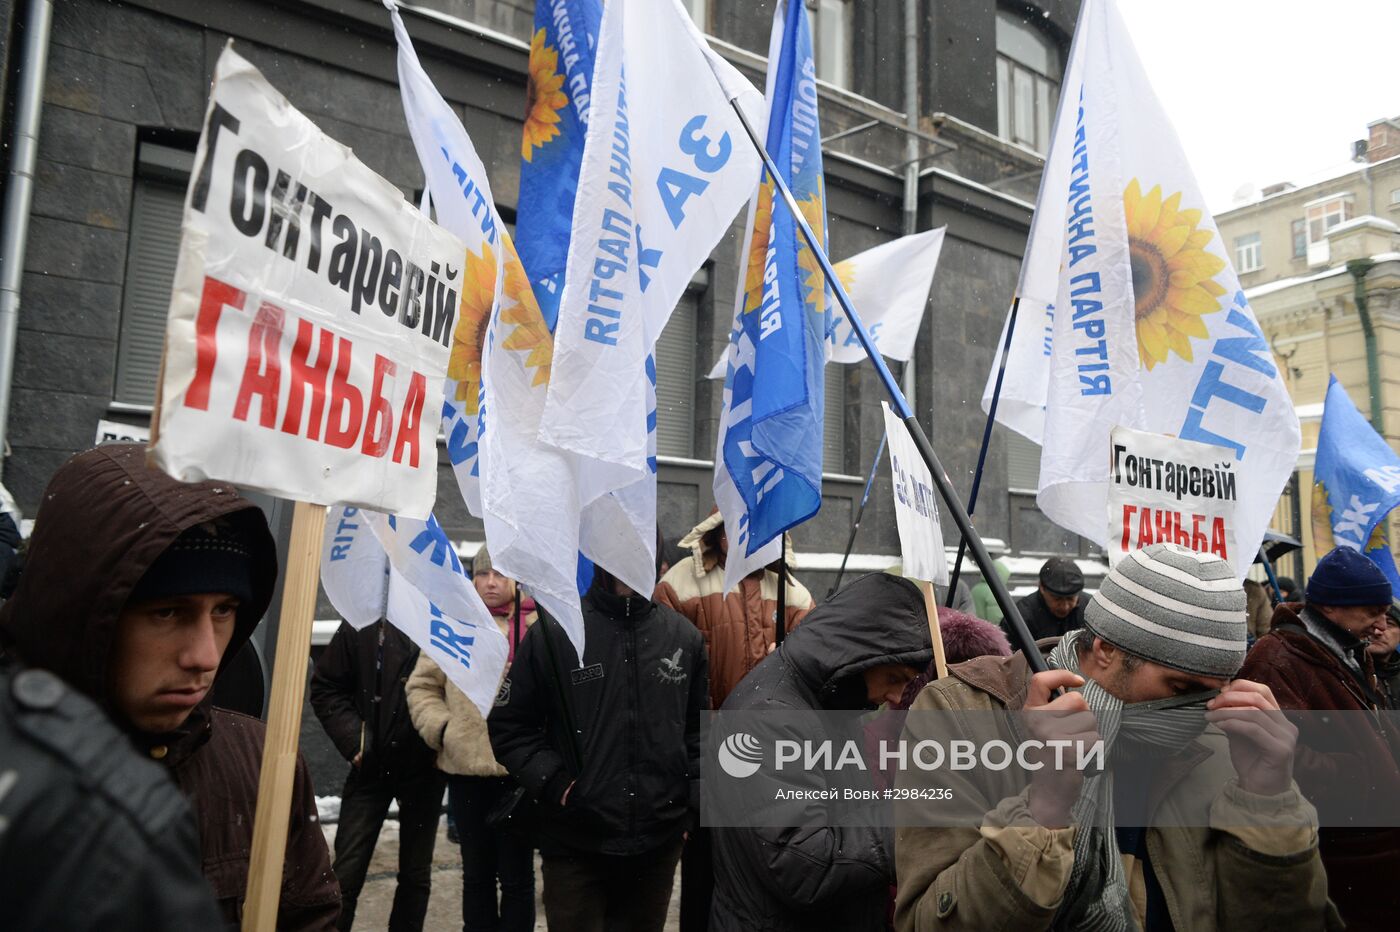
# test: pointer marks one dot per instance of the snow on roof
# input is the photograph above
(1312, 179)
(1365, 220)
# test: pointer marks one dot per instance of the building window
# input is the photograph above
(1022, 463)
(834, 418)
(700, 12)
(1323, 215)
(831, 40)
(1395, 196)
(157, 208)
(1029, 68)
(675, 380)
(1249, 253)
(1300, 239)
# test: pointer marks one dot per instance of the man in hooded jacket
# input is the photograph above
(136, 591)
(855, 651)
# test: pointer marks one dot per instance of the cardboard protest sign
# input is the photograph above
(311, 316)
(1168, 491)
(915, 506)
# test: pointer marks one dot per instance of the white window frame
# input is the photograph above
(1030, 130)
(1249, 253)
(699, 12)
(831, 22)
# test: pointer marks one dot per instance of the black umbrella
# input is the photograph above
(1276, 546)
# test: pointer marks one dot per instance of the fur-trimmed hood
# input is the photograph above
(707, 559)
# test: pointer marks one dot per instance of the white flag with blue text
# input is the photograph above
(1150, 328)
(354, 566)
(524, 491)
(665, 169)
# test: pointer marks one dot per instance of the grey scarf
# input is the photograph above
(1097, 896)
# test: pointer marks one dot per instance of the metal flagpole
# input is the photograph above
(986, 442)
(1277, 597)
(860, 512)
(1000, 593)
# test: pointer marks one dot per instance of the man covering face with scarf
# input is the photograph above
(1201, 760)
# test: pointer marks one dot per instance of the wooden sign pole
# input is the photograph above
(284, 718)
(935, 632)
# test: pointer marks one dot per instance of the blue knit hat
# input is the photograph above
(1345, 577)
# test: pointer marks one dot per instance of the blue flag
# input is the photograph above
(551, 148)
(771, 439)
(1356, 483)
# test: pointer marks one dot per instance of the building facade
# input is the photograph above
(124, 99)
(1305, 254)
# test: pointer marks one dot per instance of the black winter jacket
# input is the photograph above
(805, 878)
(350, 674)
(634, 704)
(1042, 622)
(94, 836)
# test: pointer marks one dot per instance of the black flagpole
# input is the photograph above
(780, 617)
(860, 513)
(986, 442)
(1010, 613)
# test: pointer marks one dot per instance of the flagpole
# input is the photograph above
(780, 616)
(1277, 597)
(1000, 593)
(986, 442)
(860, 512)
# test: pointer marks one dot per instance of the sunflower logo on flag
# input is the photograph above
(473, 318)
(543, 97)
(758, 247)
(520, 312)
(845, 273)
(814, 212)
(1173, 275)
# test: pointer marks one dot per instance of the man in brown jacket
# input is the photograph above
(1315, 658)
(1230, 843)
(137, 590)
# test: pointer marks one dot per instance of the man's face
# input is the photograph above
(1362, 621)
(1146, 681)
(166, 653)
(495, 590)
(885, 683)
(1060, 605)
(1385, 644)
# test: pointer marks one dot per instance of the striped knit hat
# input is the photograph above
(1173, 606)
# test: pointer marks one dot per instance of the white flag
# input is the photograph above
(915, 506)
(1149, 327)
(525, 492)
(666, 166)
(354, 567)
(889, 286)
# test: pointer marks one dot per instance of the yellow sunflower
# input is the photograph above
(814, 211)
(473, 319)
(543, 97)
(845, 274)
(1173, 274)
(520, 312)
(758, 248)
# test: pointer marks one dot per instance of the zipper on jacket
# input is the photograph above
(635, 681)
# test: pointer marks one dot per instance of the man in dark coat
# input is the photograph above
(855, 651)
(1315, 658)
(137, 588)
(610, 748)
(357, 690)
(1056, 607)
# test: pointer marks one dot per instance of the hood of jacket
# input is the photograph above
(706, 559)
(105, 518)
(873, 620)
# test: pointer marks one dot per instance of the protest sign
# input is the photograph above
(311, 316)
(310, 322)
(916, 515)
(1168, 491)
(915, 506)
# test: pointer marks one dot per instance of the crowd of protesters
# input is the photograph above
(127, 795)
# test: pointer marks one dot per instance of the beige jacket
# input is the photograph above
(1011, 872)
(450, 723)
